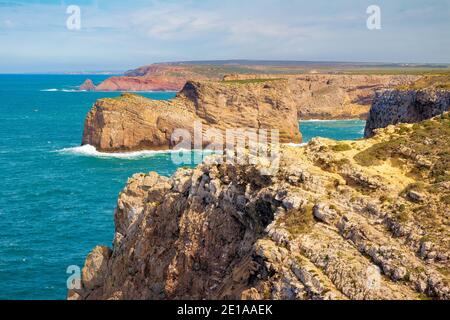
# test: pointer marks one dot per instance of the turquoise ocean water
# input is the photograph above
(57, 201)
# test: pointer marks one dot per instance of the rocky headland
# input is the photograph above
(132, 122)
(365, 219)
(156, 77)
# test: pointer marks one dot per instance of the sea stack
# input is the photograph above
(88, 85)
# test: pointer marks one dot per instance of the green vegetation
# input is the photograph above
(379, 152)
(402, 129)
(248, 81)
(438, 81)
(340, 147)
(127, 95)
(409, 145)
(398, 71)
(401, 214)
(445, 199)
(385, 198)
(299, 221)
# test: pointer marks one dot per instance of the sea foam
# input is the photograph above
(49, 90)
(62, 90)
(90, 151)
(295, 145)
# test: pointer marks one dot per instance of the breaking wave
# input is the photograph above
(295, 145)
(50, 90)
(91, 151)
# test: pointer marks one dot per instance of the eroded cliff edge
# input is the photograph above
(132, 122)
(320, 228)
(405, 106)
(333, 96)
(419, 100)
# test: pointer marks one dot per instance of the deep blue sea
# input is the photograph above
(57, 201)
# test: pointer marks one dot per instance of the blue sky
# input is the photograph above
(119, 35)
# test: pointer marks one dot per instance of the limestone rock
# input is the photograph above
(95, 267)
(395, 106)
(225, 231)
(132, 122)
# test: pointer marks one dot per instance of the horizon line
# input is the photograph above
(275, 62)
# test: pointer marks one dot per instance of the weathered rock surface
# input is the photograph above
(405, 106)
(132, 122)
(329, 96)
(335, 222)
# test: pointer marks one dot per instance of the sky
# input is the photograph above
(120, 35)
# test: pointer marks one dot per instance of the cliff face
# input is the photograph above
(134, 123)
(340, 220)
(406, 106)
(340, 96)
(327, 96)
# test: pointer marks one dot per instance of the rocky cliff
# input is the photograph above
(132, 122)
(406, 106)
(367, 219)
(339, 96)
(317, 96)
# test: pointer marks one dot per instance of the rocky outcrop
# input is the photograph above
(132, 122)
(405, 106)
(336, 221)
(88, 85)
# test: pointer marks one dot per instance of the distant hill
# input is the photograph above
(171, 76)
